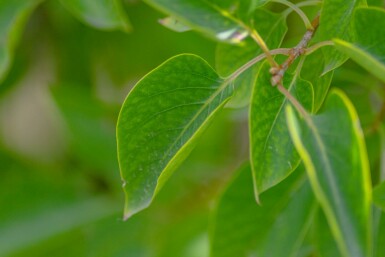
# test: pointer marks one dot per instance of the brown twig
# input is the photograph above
(278, 72)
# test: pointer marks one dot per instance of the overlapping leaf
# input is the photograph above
(102, 14)
(208, 17)
(272, 28)
(336, 21)
(242, 228)
(14, 15)
(161, 119)
(332, 147)
(379, 195)
(368, 47)
(272, 153)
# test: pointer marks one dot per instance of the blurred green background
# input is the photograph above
(60, 189)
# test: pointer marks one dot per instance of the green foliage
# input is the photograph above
(283, 99)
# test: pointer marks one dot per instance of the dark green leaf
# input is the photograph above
(272, 28)
(273, 155)
(161, 119)
(243, 228)
(336, 21)
(368, 48)
(379, 195)
(336, 161)
(14, 15)
(101, 14)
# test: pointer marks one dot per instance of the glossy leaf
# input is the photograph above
(336, 161)
(379, 195)
(272, 28)
(14, 15)
(272, 153)
(367, 50)
(254, 230)
(336, 21)
(204, 16)
(161, 119)
(101, 14)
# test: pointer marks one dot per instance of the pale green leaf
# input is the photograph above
(205, 16)
(174, 24)
(161, 119)
(336, 161)
(101, 14)
(368, 47)
(13, 16)
(272, 153)
(336, 21)
(272, 28)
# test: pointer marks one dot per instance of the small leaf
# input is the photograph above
(336, 21)
(379, 195)
(243, 228)
(161, 119)
(204, 16)
(101, 14)
(272, 154)
(336, 161)
(14, 15)
(368, 49)
(272, 28)
(174, 24)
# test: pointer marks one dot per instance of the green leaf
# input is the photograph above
(335, 157)
(204, 16)
(368, 48)
(272, 154)
(323, 239)
(312, 70)
(379, 195)
(336, 21)
(253, 229)
(161, 119)
(272, 28)
(14, 15)
(101, 14)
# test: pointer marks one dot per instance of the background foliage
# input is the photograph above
(66, 67)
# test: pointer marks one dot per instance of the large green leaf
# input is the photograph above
(336, 21)
(161, 119)
(368, 47)
(208, 17)
(102, 14)
(272, 28)
(272, 153)
(14, 15)
(335, 157)
(240, 227)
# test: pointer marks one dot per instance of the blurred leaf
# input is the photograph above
(323, 238)
(272, 28)
(379, 195)
(367, 50)
(272, 154)
(204, 16)
(93, 135)
(101, 14)
(336, 21)
(13, 16)
(335, 157)
(379, 236)
(255, 229)
(31, 230)
(174, 24)
(160, 121)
